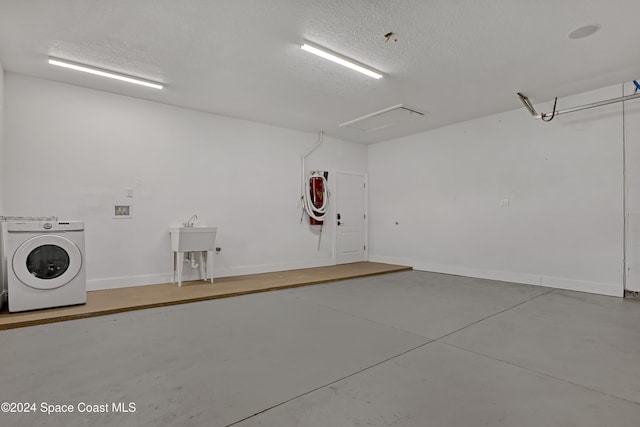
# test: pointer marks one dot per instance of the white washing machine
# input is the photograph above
(3, 264)
(44, 263)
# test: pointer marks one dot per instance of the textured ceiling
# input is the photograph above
(454, 60)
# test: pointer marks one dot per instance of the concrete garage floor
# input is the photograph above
(402, 349)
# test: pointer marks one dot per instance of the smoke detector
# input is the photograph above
(583, 32)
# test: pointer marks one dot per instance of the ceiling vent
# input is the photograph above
(392, 116)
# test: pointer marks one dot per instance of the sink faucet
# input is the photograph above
(189, 222)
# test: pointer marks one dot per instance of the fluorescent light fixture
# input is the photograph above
(103, 73)
(342, 61)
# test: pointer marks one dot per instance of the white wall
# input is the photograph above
(72, 152)
(563, 227)
(632, 172)
(2, 180)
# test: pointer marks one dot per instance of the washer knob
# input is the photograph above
(47, 226)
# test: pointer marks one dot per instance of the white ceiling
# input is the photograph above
(454, 60)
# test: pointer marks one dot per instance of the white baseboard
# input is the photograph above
(129, 281)
(268, 268)
(154, 279)
(602, 288)
(390, 260)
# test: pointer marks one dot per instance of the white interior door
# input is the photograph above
(351, 211)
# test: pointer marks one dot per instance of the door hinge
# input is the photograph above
(364, 185)
(365, 247)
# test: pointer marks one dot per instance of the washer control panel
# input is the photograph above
(44, 226)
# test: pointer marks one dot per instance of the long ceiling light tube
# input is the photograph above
(103, 73)
(339, 60)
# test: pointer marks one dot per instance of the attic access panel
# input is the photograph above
(392, 116)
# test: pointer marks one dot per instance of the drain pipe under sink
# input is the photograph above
(191, 259)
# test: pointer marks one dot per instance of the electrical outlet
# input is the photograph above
(122, 211)
(218, 249)
(129, 192)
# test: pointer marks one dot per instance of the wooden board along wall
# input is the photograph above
(110, 301)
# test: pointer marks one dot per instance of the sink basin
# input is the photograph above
(193, 239)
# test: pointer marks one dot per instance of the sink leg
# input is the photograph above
(202, 271)
(180, 263)
(210, 265)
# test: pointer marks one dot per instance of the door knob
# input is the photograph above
(339, 223)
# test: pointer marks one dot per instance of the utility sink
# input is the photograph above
(193, 239)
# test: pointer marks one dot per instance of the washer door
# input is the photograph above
(47, 262)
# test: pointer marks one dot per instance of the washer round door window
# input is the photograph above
(47, 262)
